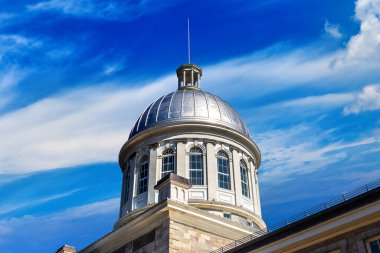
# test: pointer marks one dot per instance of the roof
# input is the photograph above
(355, 199)
(190, 105)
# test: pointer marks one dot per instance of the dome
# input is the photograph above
(189, 105)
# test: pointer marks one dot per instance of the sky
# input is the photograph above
(76, 74)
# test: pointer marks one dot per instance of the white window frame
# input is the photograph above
(168, 155)
(224, 157)
(198, 153)
(143, 162)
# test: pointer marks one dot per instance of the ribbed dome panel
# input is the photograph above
(189, 106)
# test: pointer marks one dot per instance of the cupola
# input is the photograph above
(189, 76)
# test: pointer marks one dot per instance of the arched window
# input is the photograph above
(127, 183)
(168, 165)
(223, 171)
(196, 166)
(244, 179)
(142, 185)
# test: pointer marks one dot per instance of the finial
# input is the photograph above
(188, 38)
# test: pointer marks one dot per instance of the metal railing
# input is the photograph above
(304, 214)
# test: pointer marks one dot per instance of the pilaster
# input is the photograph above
(132, 182)
(152, 172)
(237, 177)
(181, 165)
(212, 179)
(255, 188)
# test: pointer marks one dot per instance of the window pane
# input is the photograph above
(196, 166)
(244, 179)
(223, 171)
(167, 162)
(375, 246)
(127, 184)
(143, 176)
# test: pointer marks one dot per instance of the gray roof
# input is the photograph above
(189, 105)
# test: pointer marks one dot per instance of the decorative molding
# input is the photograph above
(238, 150)
(154, 145)
(210, 141)
(183, 140)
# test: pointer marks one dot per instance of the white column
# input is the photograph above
(251, 185)
(192, 77)
(132, 182)
(237, 178)
(255, 189)
(123, 191)
(257, 192)
(212, 174)
(152, 173)
(181, 165)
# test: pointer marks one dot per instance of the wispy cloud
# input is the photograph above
(10, 77)
(95, 9)
(16, 43)
(10, 207)
(332, 30)
(80, 127)
(367, 100)
(48, 230)
(301, 150)
(110, 69)
(87, 125)
(278, 68)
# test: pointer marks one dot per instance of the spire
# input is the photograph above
(189, 75)
(188, 38)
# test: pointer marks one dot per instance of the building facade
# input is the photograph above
(190, 184)
(347, 224)
(190, 175)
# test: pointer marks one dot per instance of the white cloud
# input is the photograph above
(112, 10)
(110, 69)
(53, 230)
(90, 125)
(367, 100)
(365, 45)
(80, 127)
(96, 208)
(328, 100)
(10, 43)
(9, 79)
(74, 7)
(10, 207)
(332, 30)
(301, 149)
(272, 70)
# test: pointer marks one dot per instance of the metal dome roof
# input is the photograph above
(189, 105)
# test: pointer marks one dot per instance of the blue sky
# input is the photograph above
(75, 74)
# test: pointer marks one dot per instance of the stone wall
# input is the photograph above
(351, 242)
(160, 245)
(186, 239)
(175, 237)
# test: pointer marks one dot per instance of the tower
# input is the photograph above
(189, 175)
